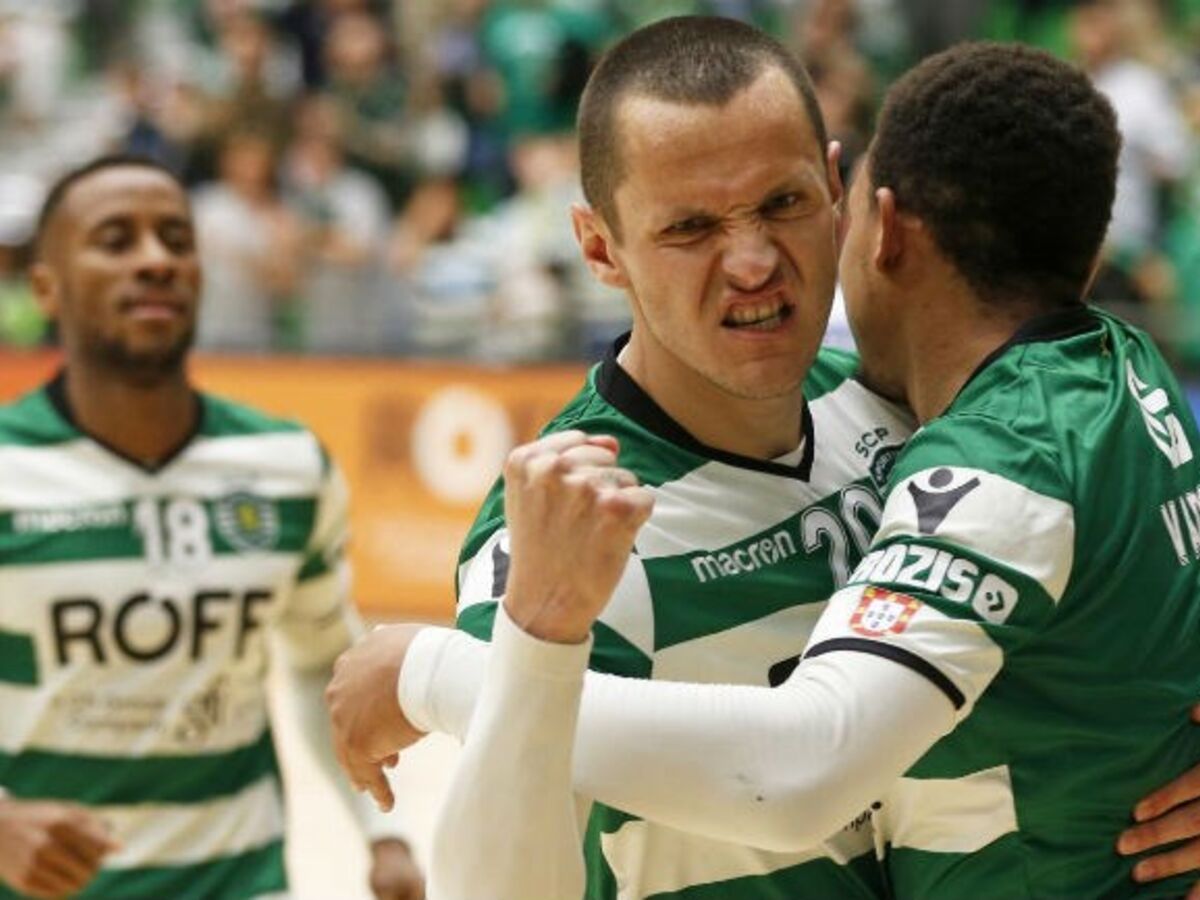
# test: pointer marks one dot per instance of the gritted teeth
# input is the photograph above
(750, 314)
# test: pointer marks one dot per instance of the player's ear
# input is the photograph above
(46, 289)
(833, 172)
(596, 244)
(889, 230)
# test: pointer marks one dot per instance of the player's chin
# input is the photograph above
(150, 357)
(766, 381)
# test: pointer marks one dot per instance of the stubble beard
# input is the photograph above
(141, 368)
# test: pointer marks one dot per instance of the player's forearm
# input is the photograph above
(511, 801)
(778, 768)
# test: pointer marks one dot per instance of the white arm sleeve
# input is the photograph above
(776, 768)
(509, 828)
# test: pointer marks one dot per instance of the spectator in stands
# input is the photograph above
(542, 51)
(442, 276)
(243, 88)
(1156, 150)
(472, 89)
(345, 217)
(250, 245)
(370, 96)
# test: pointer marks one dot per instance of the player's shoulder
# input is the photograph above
(588, 410)
(32, 421)
(224, 417)
(260, 437)
(1032, 411)
(831, 369)
(652, 445)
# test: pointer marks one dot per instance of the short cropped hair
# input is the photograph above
(59, 190)
(1009, 157)
(701, 60)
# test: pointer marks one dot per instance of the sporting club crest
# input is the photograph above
(248, 522)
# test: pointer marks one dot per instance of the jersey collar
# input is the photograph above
(1055, 326)
(56, 393)
(625, 395)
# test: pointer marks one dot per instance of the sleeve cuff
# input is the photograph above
(533, 656)
(443, 670)
(414, 687)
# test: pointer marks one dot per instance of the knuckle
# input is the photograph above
(514, 463)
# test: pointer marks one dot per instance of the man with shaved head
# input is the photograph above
(151, 538)
(767, 464)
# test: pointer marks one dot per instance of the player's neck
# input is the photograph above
(758, 429)
(945, 347)
(144, 423)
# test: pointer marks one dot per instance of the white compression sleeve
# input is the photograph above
(508, 827)
(776, 768)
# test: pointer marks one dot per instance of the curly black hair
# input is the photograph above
(1009, 156)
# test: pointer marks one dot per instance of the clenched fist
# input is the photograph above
(572, 517)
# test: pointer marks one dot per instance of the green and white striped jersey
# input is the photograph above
(728, 578)
(1037, 560)
(134, 610)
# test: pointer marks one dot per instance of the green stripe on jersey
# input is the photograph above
(225, 418)
(654, 460)
(126, 780)
(25, 541)
(240, 877)
(816, 878)
(758, 575)
(832, 368)
(32, 421)
(18, 659)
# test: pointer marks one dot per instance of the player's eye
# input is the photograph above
(692, 226)
(115, 237)
(178, 237)
(782, 205)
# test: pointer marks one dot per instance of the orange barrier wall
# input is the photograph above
(420, 445)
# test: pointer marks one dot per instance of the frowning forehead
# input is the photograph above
(681, 157)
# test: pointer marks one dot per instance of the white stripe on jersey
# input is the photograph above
(684, 518)
(649, 859)
(168, 834)
(82, 473)
(949, 815)
(997, 518)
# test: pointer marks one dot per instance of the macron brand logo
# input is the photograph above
(749, 557)
(1163, 425)
(935, 500)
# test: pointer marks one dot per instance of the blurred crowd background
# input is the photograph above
(391, 177)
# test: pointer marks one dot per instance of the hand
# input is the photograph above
(1170, 814)
(50, 849)
(369, 728)
(394, 872)
(572, 517)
